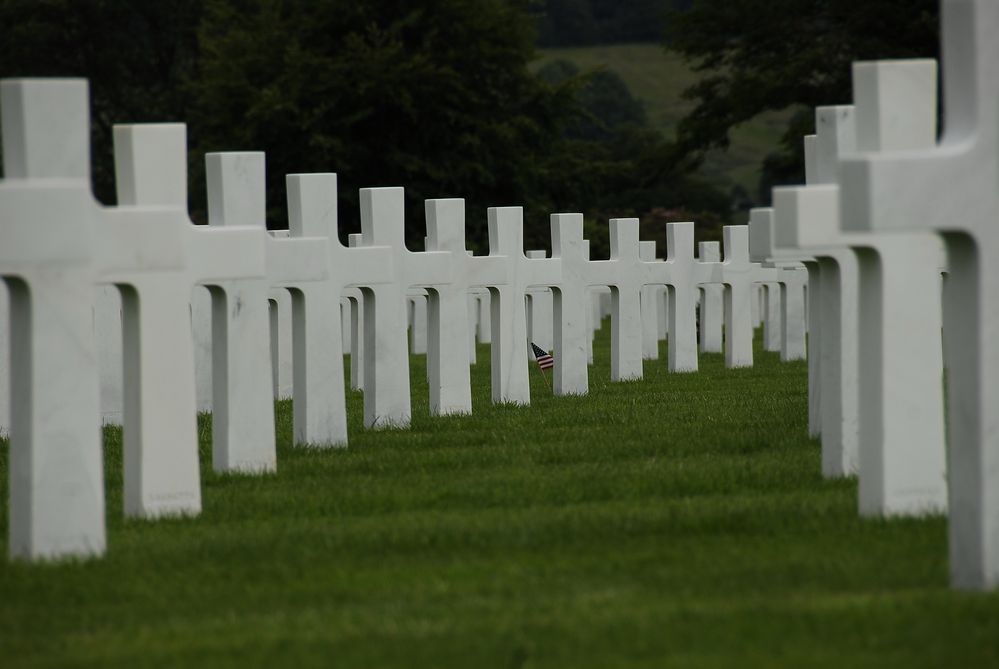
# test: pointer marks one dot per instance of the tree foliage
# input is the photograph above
(759, 55)
(432, 95)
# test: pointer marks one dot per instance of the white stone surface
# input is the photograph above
(899, 428)
(107, 334)
(624, 274)
(662, 328)
(47, 219)
(355, 299)
(574, 311)
(650, 302)
(712, 301)
(473, 325)
(297, 265)
(282, 349)
(485, 317)
(681, 274)
(4, 361)
(512, 273)
(540, 310)
(242, 402)
(416, 305)
(201, 330)
(950, 187)
(772, 324)
(756, 306)
(346, 325)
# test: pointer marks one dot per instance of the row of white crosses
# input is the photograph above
(950, 187)
(57, 243)
(884, 196)
(878, 307)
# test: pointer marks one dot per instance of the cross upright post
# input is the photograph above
(572, 330)
(47, 221)
(901, 428)
(243, 405)
(792, 280)
(650, 307)
(449, 341)
(509, 318)
(712, 303)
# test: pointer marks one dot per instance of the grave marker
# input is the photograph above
(47, 221)
(950, 187)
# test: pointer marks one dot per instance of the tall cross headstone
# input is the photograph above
(47, 222)
(950, 187)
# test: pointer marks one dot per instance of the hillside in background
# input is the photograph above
(563, 23)
(657, 79)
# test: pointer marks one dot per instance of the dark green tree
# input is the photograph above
(137, 56)
(432, 95)
(759, 55)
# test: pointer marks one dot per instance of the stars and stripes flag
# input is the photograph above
(545, 361)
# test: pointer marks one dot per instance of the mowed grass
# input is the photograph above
(676, 521)
(658, 78)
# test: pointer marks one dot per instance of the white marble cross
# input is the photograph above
(899, 428)
(712, 309)
(201, 330)
(151, 161)
(574, 318)
(738, 274)
(143, 251)
(299, 264)
(792, 280)
(47, 247)
(623, 273)
(950, 187)
(650, 302)
(681, 274)
(902, 441)
(509, 273)
(772, 326)
(356, 298)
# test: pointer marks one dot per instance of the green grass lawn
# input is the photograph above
(676, 521)
(658, 79)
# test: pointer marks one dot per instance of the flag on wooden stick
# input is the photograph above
(545, 361)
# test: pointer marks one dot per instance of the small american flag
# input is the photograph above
(545, 361)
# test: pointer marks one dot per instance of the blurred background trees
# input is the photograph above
(454, 98)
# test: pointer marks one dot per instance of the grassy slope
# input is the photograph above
(677, 520)
(658, 79)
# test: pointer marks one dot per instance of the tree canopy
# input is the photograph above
(432, 95)
(759, 55)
